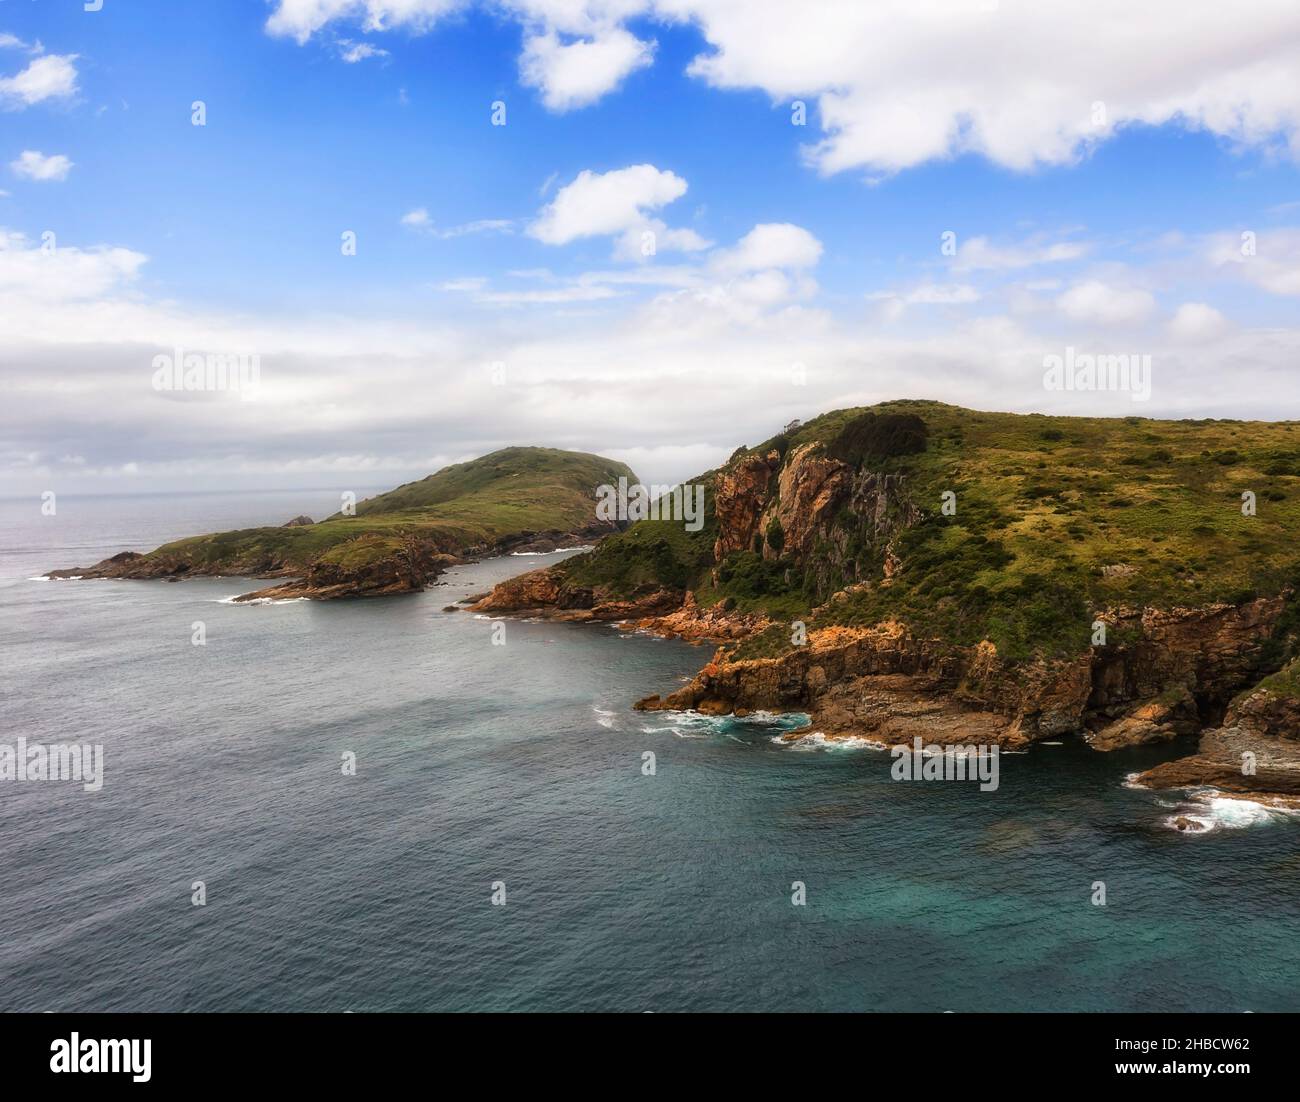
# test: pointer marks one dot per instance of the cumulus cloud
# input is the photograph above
(51, 273)
(1197, 321)
(52, 76)
(1021, 84)
(577, 73)
(617, 204)
(770, 245)
(1096, 302)
(1269, 259)
(898, 84)
(33, 165)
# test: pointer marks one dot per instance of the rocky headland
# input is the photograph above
(517, 499)
(1093, 578)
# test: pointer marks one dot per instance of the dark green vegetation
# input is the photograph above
(649, 555)
(1057, 519)
(467, 506)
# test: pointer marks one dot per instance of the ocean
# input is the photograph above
(516, 770)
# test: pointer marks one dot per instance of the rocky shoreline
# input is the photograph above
(1182, 675)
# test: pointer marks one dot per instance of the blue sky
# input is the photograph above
(1115, 235)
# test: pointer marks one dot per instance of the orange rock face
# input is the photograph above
(812, 488)
(739, 499)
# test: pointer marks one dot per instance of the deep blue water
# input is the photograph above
(522, 763)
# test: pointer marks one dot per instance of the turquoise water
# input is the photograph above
(522, 763)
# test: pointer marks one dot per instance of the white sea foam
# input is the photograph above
(816, 740)
(696, 725)
(257, 600)
(1213, 811)
(40, 578)
(557, 551)
(607, 719)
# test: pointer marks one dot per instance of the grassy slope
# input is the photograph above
(1043, 504)
(509, 491)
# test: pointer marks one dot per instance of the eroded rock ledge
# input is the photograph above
(1185, 670)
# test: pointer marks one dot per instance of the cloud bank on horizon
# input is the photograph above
(849, 203)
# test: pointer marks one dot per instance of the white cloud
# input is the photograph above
(616, 204)
(1269, 259)
(770, 245)
(353, 52)
(32, 165)
(897, 84)
(420, 220)
(65, 273)
(578, 73)
(77, 335)
(300, 19)
(927, 294)
(1197, 321)
(979, 254)
(1099, 303)
(53, 76)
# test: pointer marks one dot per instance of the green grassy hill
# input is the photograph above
(465, 507)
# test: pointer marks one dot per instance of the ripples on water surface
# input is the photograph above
(523, 763)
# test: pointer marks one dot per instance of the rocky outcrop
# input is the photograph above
(133, 565)
(1256, 751)
(1213, 652)
(1154, 721)
(720, 622)
(740, 496)
(408, 571)
(853, 680)
(301, 521)
(547, 593)
(812, 487)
